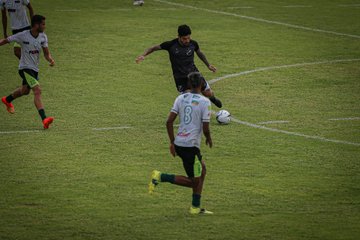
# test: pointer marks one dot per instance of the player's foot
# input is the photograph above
(154, 180)
(9, 106)
(199, 211)
(216, 101)
(47, 121)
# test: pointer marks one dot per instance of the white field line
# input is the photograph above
(113, 10)
(293, 133)
(344, 119)
(245, 7)
(280, 67)
(349, 5)
(297, 6)
(67, 10)
(24, 131)
(271, 122)
(259, 19)
(111, 128)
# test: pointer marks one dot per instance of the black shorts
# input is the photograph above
(29, 77)
(192, 166)
(183, 84)
(15, 31)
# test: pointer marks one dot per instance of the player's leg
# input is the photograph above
(209, 93)
(31, 78)
(21, 91)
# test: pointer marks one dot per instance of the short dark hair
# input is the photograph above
(184, 30)
(195, 79)
(37, 19)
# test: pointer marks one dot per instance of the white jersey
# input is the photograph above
(30, 48)
(193, 110)
(17, 12)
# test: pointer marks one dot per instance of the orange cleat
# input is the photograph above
(9, 106)
(47, 121)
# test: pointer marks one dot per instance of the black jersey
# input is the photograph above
(181, 57)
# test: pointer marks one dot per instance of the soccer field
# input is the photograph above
(286, 167)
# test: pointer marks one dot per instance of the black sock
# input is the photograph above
(9, 98)
(165, 177)
(196, 200)
(42, 114)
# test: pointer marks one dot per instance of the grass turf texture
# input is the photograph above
(71, 182)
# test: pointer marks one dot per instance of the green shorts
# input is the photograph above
(16, 45)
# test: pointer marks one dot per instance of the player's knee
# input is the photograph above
(207, 93)
(37, 91)
(25, 91)
(203, 172)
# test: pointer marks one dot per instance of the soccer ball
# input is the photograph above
(138, 3)
(223, 117)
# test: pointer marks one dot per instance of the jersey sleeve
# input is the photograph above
(206, 111)
(176, 106)
(16, 37)
(26, 2)
(44, 42)
(166, 45)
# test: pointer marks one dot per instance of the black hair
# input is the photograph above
(195, 79)
(184, 30)
(37, 19)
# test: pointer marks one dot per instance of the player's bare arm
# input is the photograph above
(31, 10)
(170, 130)
(3, 41)
(4, 22)
(147, 52)
(206, 130)
(201, 55)
(48, 56)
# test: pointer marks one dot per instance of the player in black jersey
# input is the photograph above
(181, 52)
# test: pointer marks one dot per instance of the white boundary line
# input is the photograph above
(24, 131)
(280, 67)
(344, 119)
(271, 122)
(259, 19)
(111, 128)
(293, 133)
(278, 130)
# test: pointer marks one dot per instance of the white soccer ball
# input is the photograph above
(223, 117)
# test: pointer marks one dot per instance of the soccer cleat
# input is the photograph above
(47, 121)
(154, 180)
(199, 211)
(9, 106)
(216, 101)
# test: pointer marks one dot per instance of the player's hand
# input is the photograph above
(52, 63)
(140, 59)
(212, 68)
(172, 149)
(209, 142)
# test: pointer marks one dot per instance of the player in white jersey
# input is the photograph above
(31, 41)
(18, 18)
(194, 111)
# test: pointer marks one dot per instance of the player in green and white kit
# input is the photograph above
(18, 18)
(32, 42)
(194, 111)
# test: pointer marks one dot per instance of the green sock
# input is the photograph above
(196, 200)
(167, 178)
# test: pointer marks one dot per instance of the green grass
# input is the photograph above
(71, 182)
